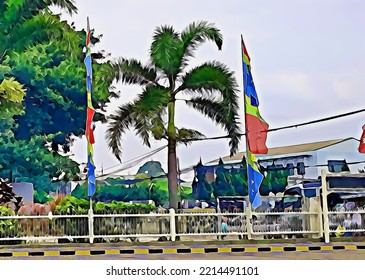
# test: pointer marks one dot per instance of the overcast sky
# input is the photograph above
(307, 60)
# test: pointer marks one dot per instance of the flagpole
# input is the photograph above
(249, 206)
(90, 200)
(90, 111)
(87, 98)
(246, 131)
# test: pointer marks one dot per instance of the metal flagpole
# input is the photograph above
(88, 98)
(244, 113)
(90, 111)
(248, 208)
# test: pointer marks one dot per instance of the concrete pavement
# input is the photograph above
(178, 250)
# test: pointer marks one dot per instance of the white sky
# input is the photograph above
(307, 60)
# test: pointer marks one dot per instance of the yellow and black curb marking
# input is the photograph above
(197, 250)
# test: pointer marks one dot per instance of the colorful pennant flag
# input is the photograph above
(254, 180)
(256, 131)
(256, 127)
(89, 130)
(362, 141)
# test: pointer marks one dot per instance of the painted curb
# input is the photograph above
(187, 250)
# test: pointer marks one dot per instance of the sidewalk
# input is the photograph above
(84, 249)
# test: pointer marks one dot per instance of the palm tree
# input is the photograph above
(211, 89)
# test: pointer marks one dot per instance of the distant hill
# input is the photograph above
(151, 169)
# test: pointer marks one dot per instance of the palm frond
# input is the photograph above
(103, 79)
(209, 77)
(67, 5)
(118, 124)
(212, 79)
(142, 126)
(195, 35)
(158, 126)
(131, 71)
(149, 107)
(141, 114)
(152, 100)
(165, 52)
(186, 136)
(222, 114)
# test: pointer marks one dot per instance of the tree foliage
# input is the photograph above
(231, 180)
(110, 189)
(42, 57)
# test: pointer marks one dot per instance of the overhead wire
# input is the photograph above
(288, 126)
(143, 155)
(132, 162)
(272, 168)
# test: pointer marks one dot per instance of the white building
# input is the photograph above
(334, 155)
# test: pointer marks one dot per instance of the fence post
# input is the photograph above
(320, 218)
(91, 225)
(249, 221)
(326, 226)
(219, 225)
(172, 224)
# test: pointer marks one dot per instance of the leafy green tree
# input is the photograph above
(202, 189)
(151, 169)
(275, 181)
(211, 89)
(223, 184)
(239, 181)
(11, 96)
(41, 56)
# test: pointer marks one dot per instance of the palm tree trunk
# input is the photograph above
(171, 157)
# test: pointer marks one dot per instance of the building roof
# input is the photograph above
(293, 149)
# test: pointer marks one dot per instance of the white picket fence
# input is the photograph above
(115, 227)
(44, 228)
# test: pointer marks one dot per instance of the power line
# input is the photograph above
(272, 168)
(144, 155)
(133, 162)
(288, 126)
(319, 120)
(136, 160)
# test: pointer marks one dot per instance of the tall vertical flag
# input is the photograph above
(89, 130)
(362, 141)
(256, 130)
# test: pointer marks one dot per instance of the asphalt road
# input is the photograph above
(193, 251)
(309, 255)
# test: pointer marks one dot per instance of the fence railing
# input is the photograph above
(112, 227)
(117, 226)
(346, 223)
(211, 224)
(299, 224)
(44, 228)
(317, 222)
